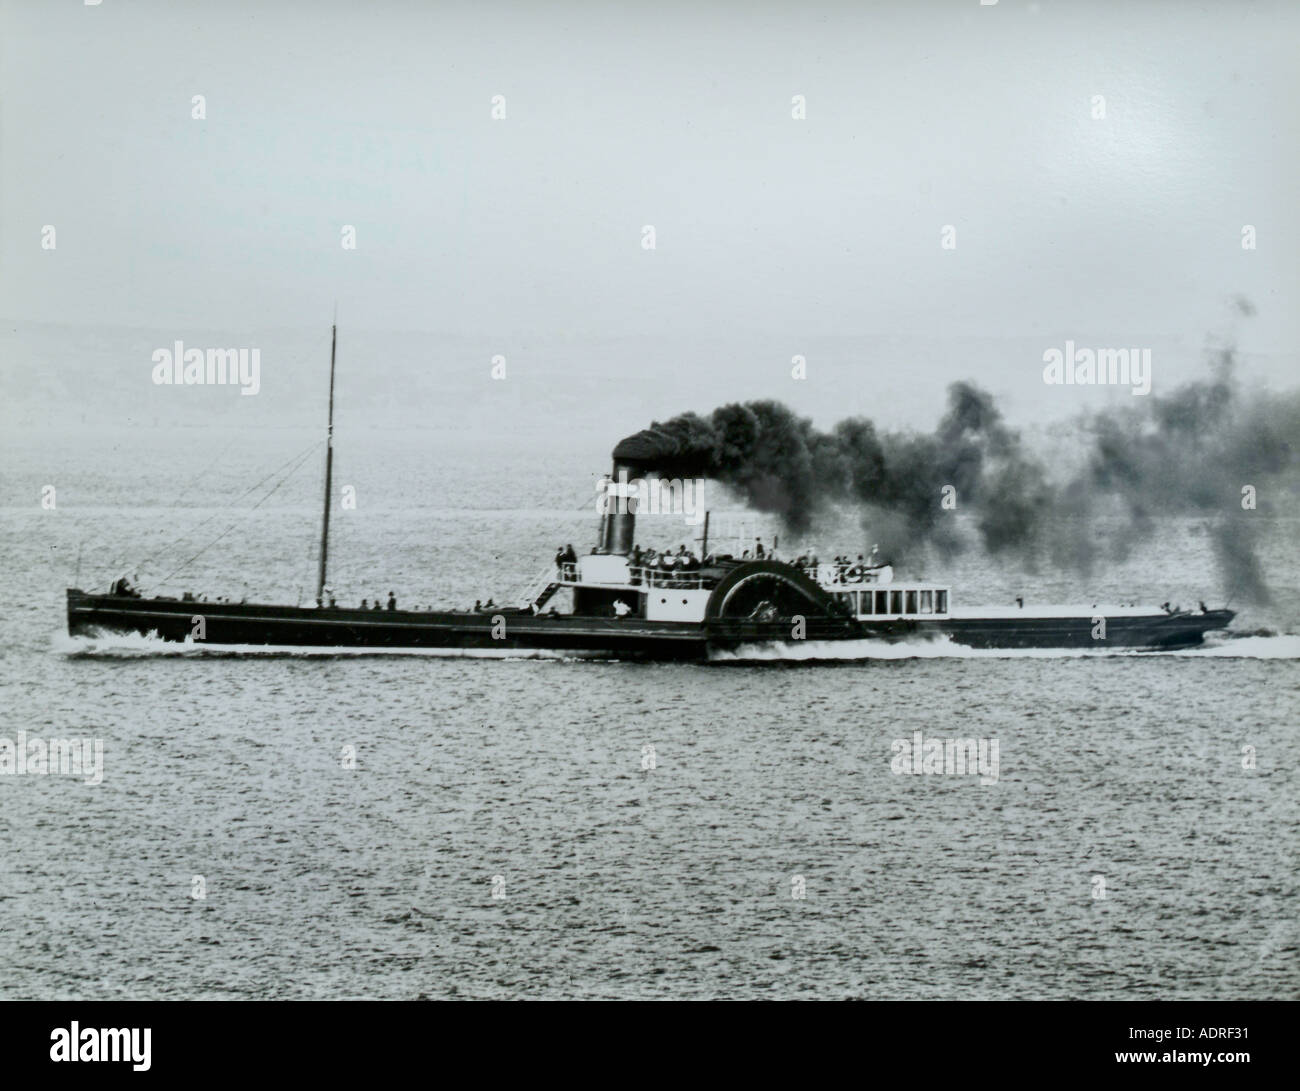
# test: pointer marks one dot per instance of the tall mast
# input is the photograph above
(329, 474)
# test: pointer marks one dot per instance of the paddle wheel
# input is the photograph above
(768, 591)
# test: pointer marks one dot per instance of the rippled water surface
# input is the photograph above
(501, 834)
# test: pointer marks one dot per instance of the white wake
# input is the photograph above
(1221, 646)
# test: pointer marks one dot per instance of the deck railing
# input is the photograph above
(638, 575)
(655, 576)
(829, 576)
(826, 576)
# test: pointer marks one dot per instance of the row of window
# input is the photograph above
(895, 602)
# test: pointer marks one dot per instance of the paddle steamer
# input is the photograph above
(607, 605)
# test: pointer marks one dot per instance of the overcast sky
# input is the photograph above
(1123, 229)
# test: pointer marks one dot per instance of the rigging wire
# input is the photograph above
(122, 558)
(247, 492)
(187, 489)
(300, 460)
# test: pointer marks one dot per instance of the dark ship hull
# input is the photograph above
(623, 607)
(253, 624)
(514, 631)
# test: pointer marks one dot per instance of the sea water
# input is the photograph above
(289, 823)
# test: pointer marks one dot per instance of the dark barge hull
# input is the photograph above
(517, 632)
(1154, 632)
(514, 632)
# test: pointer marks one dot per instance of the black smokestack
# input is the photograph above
(638, 455)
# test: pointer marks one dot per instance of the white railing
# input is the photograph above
(655, 576)
(836, 576)
(568, 575)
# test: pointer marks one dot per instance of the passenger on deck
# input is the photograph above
(376, 606)
(365, 604)
(758, 549)
(124, 587)
(559, 558)
(392, 601)
(621, 608)
(570, 556)
(477, 606)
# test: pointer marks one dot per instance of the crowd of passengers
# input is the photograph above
(658, 567)
(654, 565)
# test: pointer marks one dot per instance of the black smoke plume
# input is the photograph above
(1190, 452)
